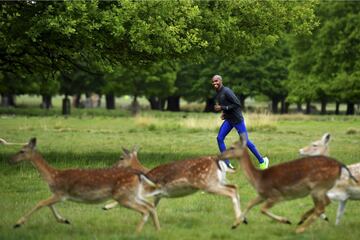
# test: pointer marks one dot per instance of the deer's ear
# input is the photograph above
(32, 143)
(326, 138)
(126, 151)
(136, 148)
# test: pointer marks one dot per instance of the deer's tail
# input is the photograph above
(351, 176)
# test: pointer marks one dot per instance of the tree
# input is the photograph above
(328, 61)
(69, 36)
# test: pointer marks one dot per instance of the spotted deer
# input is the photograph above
(184, 177)
(313, 176)
(344, 189)
(125, 186)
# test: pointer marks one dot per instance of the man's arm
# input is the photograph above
(234, 101)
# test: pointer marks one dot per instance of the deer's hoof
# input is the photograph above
(234, 226)
(104, 208)
(287, 222)
(17, 225)
(67, 221)
(326, 219)
(245, 221)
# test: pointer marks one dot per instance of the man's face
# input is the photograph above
(216, 82)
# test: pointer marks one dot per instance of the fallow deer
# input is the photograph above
(344, 189)
(184, 177)
(126, 186)
(295, 179)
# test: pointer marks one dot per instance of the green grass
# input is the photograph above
(94, 140)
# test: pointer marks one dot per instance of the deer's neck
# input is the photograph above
(45, 170)
(137, 165)
(253, 174)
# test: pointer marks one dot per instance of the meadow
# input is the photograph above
(88, 140)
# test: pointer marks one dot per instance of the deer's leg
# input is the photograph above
(50, 201)
(230, 191)
(265, 210)
(340, 211)
(153, 213)
(306, 215)
(251, 204)
(110, 205)
(156, 201)
(58, 217)
(321, 201)
(141, 208)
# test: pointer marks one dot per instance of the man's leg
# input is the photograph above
(223, 132)
(241, 129)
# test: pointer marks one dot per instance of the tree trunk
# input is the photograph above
(135, 106)
(7, 100)
(110, 101)
(298, 107)
(173, 103)
(308, 107)
(98, 102)
(337, 108)
(242, 98)
(274, 105)
(323, 107)
(210, 103)
(284, 106)
(46, 101)
(66, 105)
(76, 100)
(156, 103)
(350, 110)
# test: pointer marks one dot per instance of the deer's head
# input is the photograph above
(319, 147)
(25, 153)
(130, 159)
(236, 150)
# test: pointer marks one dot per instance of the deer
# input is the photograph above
(185, 177)
(314, 175)
(344, 189)
(124, 185)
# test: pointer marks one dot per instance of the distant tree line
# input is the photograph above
(291, 52)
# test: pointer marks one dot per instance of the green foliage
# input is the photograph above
(96, 37)
(326, 64)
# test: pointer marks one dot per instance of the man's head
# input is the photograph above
(216, 82)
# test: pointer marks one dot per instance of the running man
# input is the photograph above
(229, 104)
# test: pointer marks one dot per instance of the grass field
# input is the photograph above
(94, 140)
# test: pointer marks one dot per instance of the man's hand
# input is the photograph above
(217, 108)
(222, 116)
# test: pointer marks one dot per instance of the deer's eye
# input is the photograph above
(314, 145)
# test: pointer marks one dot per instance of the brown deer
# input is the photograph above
(295, 179)
(319, 147)
(126, 186)
(184, 177)
(344, 189)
